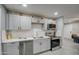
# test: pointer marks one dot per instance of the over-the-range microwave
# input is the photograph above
(51, 26)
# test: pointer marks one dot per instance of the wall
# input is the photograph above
(67, 30)
(71, 20)
(22, 34)
(2, 24)
(3, 17)
(71, 25)
(29, 33)
(0, 30)
(76, 27)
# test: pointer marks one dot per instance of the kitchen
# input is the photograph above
(28, 34)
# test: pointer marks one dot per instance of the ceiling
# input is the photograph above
(67, 10)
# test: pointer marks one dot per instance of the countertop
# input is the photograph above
(20, 40)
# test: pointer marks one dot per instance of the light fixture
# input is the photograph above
(56, 13)
(24, 5)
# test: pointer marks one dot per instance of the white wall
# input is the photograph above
(0, 30)
(71, 25)
(67, 29)
(76, 27)
(2, 24)
(70, 20)
(3, 17)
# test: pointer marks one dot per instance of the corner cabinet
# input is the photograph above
(17, 21)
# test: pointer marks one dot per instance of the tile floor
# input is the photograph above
(68, 48)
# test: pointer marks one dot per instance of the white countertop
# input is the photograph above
(20, 40)
(16, 40)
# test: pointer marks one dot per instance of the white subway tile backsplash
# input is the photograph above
(22, 34)
(29, 33)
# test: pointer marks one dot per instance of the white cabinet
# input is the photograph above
(41, 45)
(14, 21)
(11, 48)
(17, 21)
(25, 22)
(36, 46)
(45, 44)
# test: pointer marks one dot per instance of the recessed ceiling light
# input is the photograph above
(24, 5)
(56, 13)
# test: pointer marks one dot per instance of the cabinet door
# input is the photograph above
(12, 48)
(36, 46)
(25, 22)
(14, 21)
(28, 18)
(45, 44)
(28, 48)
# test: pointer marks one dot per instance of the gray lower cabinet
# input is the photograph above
(41, 45)
(36, 46)
(11, 48)
(26, 47)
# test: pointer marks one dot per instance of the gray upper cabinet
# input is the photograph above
(17, 21)
(25, 22)
(14, 22)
